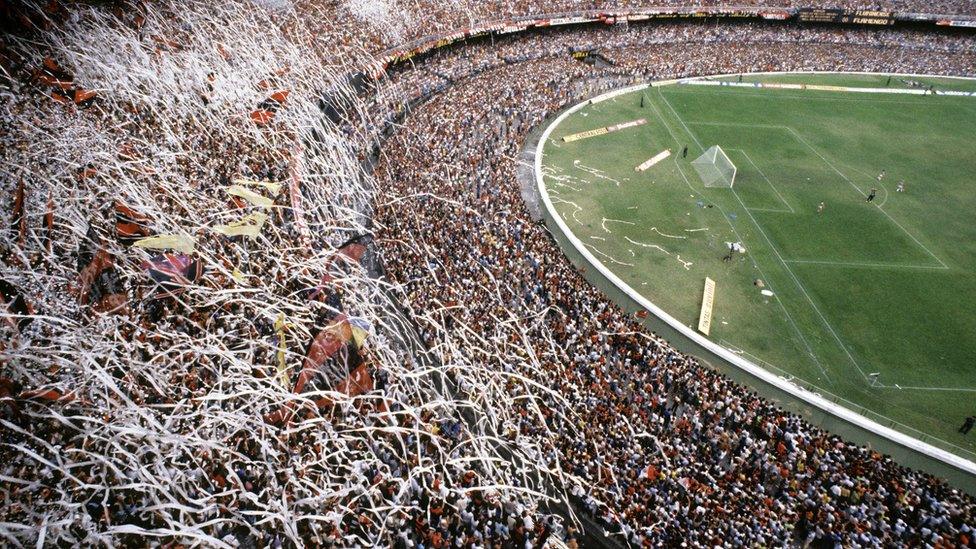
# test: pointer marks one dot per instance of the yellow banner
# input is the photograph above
(250, 225)
(251, 196)
(273, 187)
(657, 158)
(818, 87)
(708, 300)
(179, 242)
(584, 135)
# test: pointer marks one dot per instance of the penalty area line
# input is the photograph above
(914, 388)
(789, 317)
(857, 264)
(880, 209)
(799, 138)
(768, 181)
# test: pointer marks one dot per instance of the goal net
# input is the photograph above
(714, 168)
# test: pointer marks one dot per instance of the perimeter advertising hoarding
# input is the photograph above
(971, 24)
(719, 13)
(837, 15)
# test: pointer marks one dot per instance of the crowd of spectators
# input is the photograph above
(640, 53)
(658, 447)
(377, 25)
(147, 387)
(179, 284)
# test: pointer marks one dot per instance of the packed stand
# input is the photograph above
(378, 25)
(192, 347)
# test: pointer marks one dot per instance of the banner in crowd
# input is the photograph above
(581, 54)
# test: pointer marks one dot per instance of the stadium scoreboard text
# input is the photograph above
(855, 17)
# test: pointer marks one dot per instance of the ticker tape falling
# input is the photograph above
(708, 300)
(602, 131)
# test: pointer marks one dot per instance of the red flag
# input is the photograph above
(60, 98)
(334, 337)
(358, 382)
(51, 65)
(54, 82)
(82, 287)
(352, 250)
(130, 225)
(49, 221)
(8, 389)
(19, 220)
(261, 116)
(48, 395)
(172, 273)
(82, 96)
(112, 305)
(162, 41)
(280, 96)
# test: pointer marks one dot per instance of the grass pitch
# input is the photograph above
(887, 286)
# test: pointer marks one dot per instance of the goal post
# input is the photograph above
(714, 168)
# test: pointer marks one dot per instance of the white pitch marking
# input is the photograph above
(782, 305)
(946, 389)
(758, 169)
(804, 142)
(807, 98)
(864, 264)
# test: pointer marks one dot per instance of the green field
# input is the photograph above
(887, 286)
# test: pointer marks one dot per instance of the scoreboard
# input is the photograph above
(855, 17)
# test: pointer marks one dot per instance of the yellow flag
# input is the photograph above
(251, 196)
(280, 326)
(359, 335)
(275, 188)
(179, 242)
(250, 225)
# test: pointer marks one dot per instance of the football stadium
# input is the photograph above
(371, 273)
